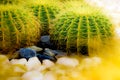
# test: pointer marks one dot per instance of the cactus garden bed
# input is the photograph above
(59, 40)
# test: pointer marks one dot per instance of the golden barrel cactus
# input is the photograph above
(45, 11)
(81, 29)
(18, 28)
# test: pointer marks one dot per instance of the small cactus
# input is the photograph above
(18, 28)
(81, 30)
(45, 11)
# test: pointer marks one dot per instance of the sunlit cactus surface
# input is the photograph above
(18, 28)
(82, 30)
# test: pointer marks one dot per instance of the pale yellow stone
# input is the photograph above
(48, 63)
(70, 62)
(32, 75)
(33, 64)
(21, 61)
(49, 76)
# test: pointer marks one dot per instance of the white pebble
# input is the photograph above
(41, 68)
(32, 75)
(49, 76)
(33, 63)
(91, 62)
(70, 62)
(22, 61)
(96, 60)
(19, 69)
(48, 63)
(87, 62)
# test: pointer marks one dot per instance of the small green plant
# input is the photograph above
(81, 29)
(45, 11)
(18, 28)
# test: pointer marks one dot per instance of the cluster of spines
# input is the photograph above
(45, 13)
(74, 33)
(4, 2)
(17, 29)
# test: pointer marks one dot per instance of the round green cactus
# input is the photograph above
(45, 11)
(18, 28)
(81, 30)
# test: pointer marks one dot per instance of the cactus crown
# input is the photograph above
(81, 8)
(18, 28)
(10, 1)
(45, 11)
(81, 30)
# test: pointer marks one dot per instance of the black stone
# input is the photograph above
(41, 57)
(26, 53)
(58, 52)
(45, 42)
